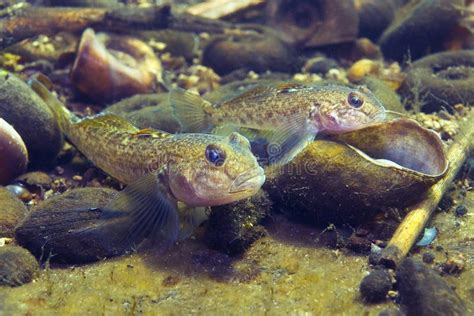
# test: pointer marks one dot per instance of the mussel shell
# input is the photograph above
(70, 228)
(354, 174)
(13, 153)
(312, 23)
(109, 68)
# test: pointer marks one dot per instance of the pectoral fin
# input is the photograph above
(152, 212)
(285, 143)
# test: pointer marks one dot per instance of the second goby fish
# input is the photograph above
(290, 114)
(160, 169)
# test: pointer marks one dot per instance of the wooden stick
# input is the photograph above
(412, 225)
(30, 21)
(26, 21)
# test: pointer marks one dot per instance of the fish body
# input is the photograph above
(160, 169)
(292, 113)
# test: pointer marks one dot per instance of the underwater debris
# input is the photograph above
(111, 67)
(429, 235)
(17, 266)
(13, 153)
(440, 81)
(31, 118)
(455, 264)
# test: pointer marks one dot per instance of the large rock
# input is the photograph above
(31, 118)
(260, 50)
(12, 211)
(58, 227)
(424, 293)
(420, 27)
(17, 266)
(234, 227)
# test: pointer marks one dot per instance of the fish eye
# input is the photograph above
(355, 100)
(215, 155)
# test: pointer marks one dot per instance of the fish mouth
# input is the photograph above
(250, 180)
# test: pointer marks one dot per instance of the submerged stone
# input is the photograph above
(50, 228)
(258, 50)
(234, 227)
(420, 27)
(375, 286)
(12, 211)
(17, 266)
(423, 292)
(31, 118)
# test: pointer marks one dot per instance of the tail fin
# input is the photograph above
(41, 85)
(190, 110)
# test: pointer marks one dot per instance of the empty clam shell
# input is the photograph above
(112, 67)
(390, 164)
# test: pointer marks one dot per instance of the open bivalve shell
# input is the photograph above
(351, 175)
(110, 67)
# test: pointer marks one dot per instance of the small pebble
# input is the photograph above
(20, 191)
(77, 178)
(446, 202)
(320, 65)
(375, 286)
(428, 257)
(59, 170)
(461, 210)
(17, 266)
(454, 264)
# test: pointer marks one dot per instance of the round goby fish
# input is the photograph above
(289, 114)
(160, 169)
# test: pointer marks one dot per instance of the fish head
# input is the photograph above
(344, 109)
(220, 170)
